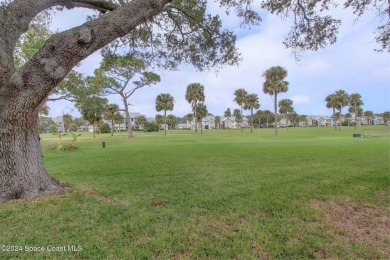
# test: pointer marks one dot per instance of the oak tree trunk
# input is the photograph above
(22, 171)
(22, 91)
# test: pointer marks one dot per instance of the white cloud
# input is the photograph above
(300, 99)
(319, 68)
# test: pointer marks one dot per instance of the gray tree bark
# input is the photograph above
(22, 171)
(128, 118)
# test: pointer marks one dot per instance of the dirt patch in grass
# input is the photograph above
(260, 251)
(383, 196)
(181, 255)
(158, 202)
(357, 224)
(100, 197)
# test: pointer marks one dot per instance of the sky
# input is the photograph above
(350, 64)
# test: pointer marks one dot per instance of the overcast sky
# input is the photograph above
(350, 64)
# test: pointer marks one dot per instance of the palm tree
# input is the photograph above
(348, 117)
(195, 94)
(303, 118)
(189, 118)
(237, 115)
(201, 111)
(355, 101)
(240, 95)
(331, 102)
(285, 107)
(368, 114)
(164, 102)
(274, 84)
(294, 118)
(227, 113)
(67, 119)
(251, 102)
(141, 121)
(171, 120)
(159, 120)
(217, 121)
(109, 115)
(386, 116)
(259, 115)
(91, 109)
(267, 114)
(342, 101)
(118, 119)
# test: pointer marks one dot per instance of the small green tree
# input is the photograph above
(118, 119)
(240, 96)
(348, 117)
(164, 102)
(274, 84)
(286, 108)
(227, 113)
(105, 128)
(331, 102)
(267, 115)
(73, 127)
(109, 114)
(303, 119)
(159, 120)
(189, 117)
(251, 102)
(67, 120)
(367, 114)
(92, 109)
(294, 117)
(342, 100)
(141, 120)
(238, 116)
(195, 94)
(171, 121)
(53, 129)
(355, 101)
(217, 122)
(151, 127)
(200, 112)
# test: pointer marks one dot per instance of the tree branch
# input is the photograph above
(64, 50)
(17, 16)
(193, 18)
(304, 13)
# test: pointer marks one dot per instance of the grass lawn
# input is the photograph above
(309, 193)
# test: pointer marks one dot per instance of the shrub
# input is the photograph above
(53, 129)
(151, 127)
(105, 129)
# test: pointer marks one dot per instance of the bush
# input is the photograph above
(151, 127)
(105, 129)
(53, 129)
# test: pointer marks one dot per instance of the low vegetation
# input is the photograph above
(309, 193)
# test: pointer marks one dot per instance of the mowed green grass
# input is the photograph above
(309, 193)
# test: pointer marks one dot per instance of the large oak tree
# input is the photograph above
(174, 31)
